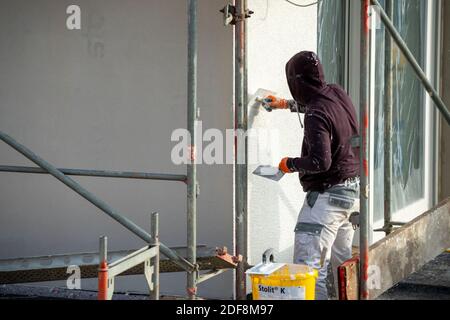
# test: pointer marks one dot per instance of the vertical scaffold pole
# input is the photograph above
(192, 167)
(388, 125)
(241, 148)
(364, 148)
(154, 295)
(103, 270)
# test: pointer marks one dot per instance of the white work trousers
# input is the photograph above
(326, 227)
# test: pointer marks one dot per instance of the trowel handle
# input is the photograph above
(264, 104)
(268, 109)
(268, 253)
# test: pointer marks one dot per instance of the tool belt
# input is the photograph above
(341, 195)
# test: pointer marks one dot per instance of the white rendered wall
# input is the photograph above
(277, 31)
(109, 97)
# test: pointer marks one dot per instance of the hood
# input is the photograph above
(305, 76)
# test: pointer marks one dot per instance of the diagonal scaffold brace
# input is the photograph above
(75, 186)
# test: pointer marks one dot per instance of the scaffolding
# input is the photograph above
(217, 261)
(192, 259)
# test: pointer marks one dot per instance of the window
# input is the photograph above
(408, 111)
(331, 40)
(413, 117)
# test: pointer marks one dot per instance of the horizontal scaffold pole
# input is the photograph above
(100, 173)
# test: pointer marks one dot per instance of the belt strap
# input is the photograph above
(344, 191)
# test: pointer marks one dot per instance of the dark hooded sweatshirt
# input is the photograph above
(328, 157)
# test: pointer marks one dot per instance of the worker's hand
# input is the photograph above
(276, 103)
(286, 165)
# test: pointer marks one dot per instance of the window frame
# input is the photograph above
(431, 128)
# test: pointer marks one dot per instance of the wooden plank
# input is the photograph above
(348, 280)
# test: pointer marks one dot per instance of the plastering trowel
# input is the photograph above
(269, 172)
(258, 99)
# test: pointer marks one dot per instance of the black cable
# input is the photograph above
(303, 5)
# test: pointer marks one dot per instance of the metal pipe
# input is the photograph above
(388, 93)
(241, 155)
(75, 186)
(434, 95)
(100, 173)
(103, 278)
(244, 250)
(154, 295)
(210, 274)
(394, 223)
(364, 151)
(103, 253)
(192, 111)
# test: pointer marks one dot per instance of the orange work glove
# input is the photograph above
(284, 166)
(276, 103)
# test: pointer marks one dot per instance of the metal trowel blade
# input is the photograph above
(269, 172)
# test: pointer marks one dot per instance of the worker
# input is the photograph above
(328, 167)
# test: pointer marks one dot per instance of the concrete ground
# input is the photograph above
(432, 282)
